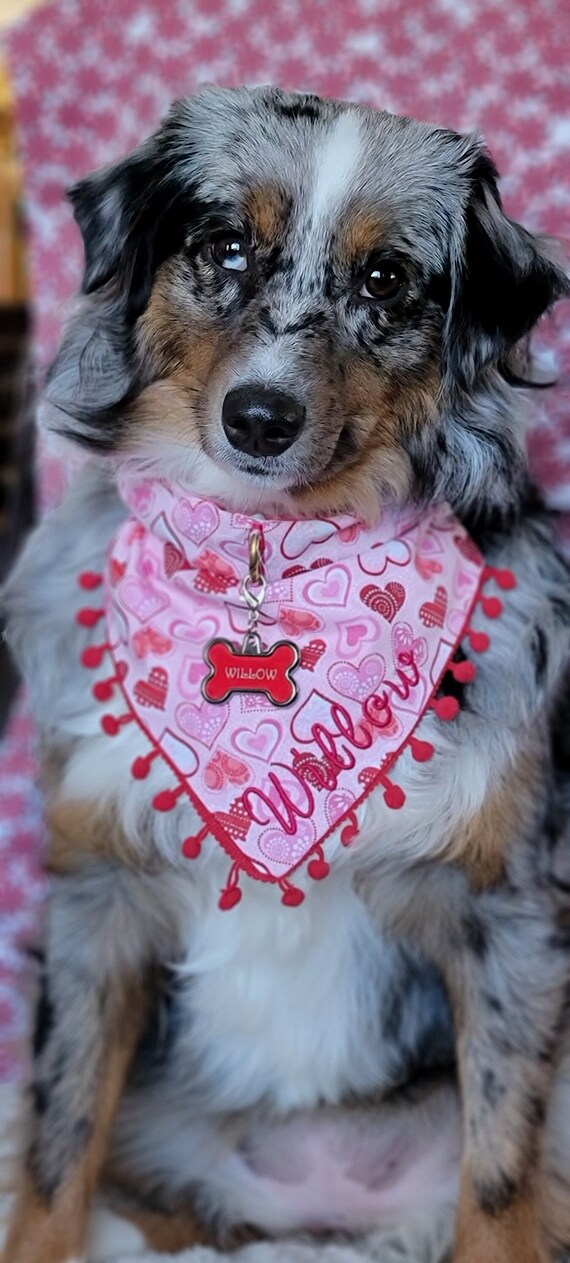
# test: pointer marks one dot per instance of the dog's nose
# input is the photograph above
(261, 421)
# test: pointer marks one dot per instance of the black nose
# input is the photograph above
(261, 421)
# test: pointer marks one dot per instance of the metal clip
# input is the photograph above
(256, 576)
(252, 642)
(256, 571)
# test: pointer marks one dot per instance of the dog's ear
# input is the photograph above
(503, 279)
(132, 216)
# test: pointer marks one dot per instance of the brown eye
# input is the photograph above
(384, 281)
(230, 252)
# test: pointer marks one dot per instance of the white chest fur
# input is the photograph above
(283, 1001)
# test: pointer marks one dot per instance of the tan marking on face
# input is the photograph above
(359, 234)
(379, 411)
(482, 845)
(176, 347)
(267, 208)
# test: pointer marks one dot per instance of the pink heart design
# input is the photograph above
(224, 769)
(202, 722)
(141, 497)
(173, 559)
(150, 641)
(381, 555)
(403, 641)
(464, 581)
(156, 642)
(337, 804)
(142, 600)
(303, 535)
(304, 718)
(332, 589)
(191, 675)
(358, 682)
(432, 613)
(200, 632)
(353, 633)
(284, 849)
(294, 622)
(154, 690)
(384, 601)
(259, 742)
(427, 567)
(197, 522)
(468, 549)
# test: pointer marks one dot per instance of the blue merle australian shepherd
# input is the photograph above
(303, 308)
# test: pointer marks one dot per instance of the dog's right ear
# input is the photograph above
(132, 216)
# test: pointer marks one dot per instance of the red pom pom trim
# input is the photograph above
(463, 672)
(192, 846)
(111, 724)
(167, 799)
(93, 656)
(422, 751)
(492, 606)
(446, 708)
(89, 617)
(394, 796)
(479, 641)
(89, 579)
(291, 896)
(318, 868)
(350, 830)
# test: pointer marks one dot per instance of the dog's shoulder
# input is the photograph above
(42, 596)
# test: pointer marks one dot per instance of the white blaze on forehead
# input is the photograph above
(337, 160)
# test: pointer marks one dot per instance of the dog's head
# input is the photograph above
(303, 305)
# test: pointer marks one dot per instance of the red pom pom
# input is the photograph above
(229, 898)
(422, 751)
(292, 897)
(93, 656)
(350, 830)
(103, 690)
(463, 672)
(492, 606)
(394, 797)
(480, 641)
(446, 708)
(505, 579)
(88, 617)
(166, 800)
(141, 767)
(318, 869)
(110, 725)
(89, 579)
(191, 848)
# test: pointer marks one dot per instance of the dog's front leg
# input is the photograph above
(507, 984)
(90, 1015)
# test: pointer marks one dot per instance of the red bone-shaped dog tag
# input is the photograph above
(235, 671)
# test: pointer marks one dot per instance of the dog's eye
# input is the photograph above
(230, 252)
(384, 281)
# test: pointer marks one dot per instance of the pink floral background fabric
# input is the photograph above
(93, 79)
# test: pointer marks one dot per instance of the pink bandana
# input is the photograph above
(376, 615)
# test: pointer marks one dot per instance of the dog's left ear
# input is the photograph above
(503, 280)
(131, 216)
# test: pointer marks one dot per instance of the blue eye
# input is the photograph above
(230, 252)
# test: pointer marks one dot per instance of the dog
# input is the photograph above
(298, 310)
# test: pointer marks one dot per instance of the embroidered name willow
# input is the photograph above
(372, 618)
